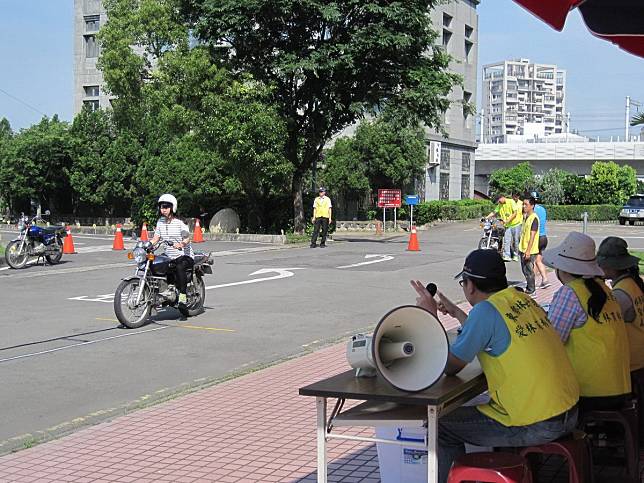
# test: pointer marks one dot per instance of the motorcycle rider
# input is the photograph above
(171, 229)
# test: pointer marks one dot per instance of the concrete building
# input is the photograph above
(451, 161)
(89, 15)
(518, 96)
(576, 157)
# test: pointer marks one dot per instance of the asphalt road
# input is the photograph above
(65, 362)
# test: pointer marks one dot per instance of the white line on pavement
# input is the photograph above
(33, 354)
(383, 258)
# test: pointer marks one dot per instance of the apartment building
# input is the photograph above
(89, 15)
(517, 95)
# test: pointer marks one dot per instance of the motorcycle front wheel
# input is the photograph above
(196, 298)
(483, 243)
(16, 258)
(126, 309)
(54, 259)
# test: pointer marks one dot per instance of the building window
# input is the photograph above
(445, 160)
(467, 161)
(447, 35)
(447, 20)
(91, 47)
(467, 97)
(92, 23)
(444, 186)
(92, 91)
(468, 31)
(468, 49)
(91, 105)
(465, 186)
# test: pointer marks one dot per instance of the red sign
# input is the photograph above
(389, 198)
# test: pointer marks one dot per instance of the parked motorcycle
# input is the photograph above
(35, 241)
(493, 231)
(153, 286)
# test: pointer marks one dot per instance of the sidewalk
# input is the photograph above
(255, 428)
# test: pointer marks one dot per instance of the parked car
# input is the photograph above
(633, 210)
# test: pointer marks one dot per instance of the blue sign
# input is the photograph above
(412, 199)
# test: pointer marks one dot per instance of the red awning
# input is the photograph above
(618, 21)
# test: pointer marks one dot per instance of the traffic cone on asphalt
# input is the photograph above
(144, 232)
(198, 235)
(118, 239)
(68, 241)
(412, 246)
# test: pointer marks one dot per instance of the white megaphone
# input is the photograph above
(408, 348)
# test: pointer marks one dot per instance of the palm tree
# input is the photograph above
(637, 119)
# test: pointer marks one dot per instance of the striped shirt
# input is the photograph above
(175, 231)
(566, 313)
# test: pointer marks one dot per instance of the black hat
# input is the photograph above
(322, 188)
(483, 264)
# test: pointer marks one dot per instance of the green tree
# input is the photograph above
(6, 136)
(517, 179)
(638, 119)
(610, 183)
(551, 186)
(330, 62)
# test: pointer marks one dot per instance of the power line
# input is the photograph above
(22, 102)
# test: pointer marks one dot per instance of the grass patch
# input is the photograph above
(297, 238)
(639, 255)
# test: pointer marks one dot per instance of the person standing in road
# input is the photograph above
(543, 240)
(321, 217)
(513, 225)
(529, 244)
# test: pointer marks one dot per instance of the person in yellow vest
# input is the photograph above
(321, 217)
(514, 227)
(532, 386)
(622, 269)
(529, 243)
(589, 321)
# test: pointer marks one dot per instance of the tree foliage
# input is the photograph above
(518, 179)
(329, 63)
(551, 186)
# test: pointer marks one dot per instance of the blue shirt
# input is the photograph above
(541, 214)
(483, 330)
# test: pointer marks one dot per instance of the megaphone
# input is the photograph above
(408, 348)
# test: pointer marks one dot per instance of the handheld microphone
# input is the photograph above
(431, 288)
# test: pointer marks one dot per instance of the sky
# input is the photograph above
(36, 62)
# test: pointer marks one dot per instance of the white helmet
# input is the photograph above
(168, 198)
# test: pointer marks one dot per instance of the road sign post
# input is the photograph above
(411, 200)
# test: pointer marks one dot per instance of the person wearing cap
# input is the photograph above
(542, 214)
(532, 386)
(321, 217)
(589, 321)
(529, 243)
(622, 269)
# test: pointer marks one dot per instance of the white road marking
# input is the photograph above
(107, 298)
(33, 354)
(281, 273)
(383, 258)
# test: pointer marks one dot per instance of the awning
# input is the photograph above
(618, 21)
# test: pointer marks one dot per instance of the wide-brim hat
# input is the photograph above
(575, 255)
(613, 253)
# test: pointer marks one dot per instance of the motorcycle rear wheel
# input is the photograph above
(196, 298)
(54, 259)
(15, 258)
(130, 315)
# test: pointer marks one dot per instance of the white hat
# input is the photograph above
(575, 255)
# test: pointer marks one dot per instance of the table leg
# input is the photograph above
(432, 443)
(320, 403)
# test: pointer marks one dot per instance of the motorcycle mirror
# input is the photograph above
(47, 212)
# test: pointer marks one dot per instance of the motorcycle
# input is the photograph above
(153, 286)
(493, 231)
(35, 241)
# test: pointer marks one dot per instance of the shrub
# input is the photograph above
(575, 212)
(429, 211)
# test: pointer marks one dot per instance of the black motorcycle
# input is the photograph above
(153, 286)
(493, 231)
(35, 241)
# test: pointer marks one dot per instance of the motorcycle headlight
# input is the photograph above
(139, 255)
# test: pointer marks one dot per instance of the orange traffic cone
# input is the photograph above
(144, 232)
(68, 241)
(412, 246)
(198, 235)
(118, 239)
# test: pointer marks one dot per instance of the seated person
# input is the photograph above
(532, 385)
(589, 321)
(628, 288)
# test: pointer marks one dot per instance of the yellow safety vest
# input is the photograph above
(505, 210)
(598, 350)
(533, 379)
(634, 329)
(322, 207)
(525, 235)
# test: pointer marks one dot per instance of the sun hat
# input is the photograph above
(613, 253)
(575, 255)
(483, 264)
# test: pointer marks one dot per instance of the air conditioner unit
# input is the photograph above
(434, 154)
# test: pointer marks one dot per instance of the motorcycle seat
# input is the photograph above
(200, 258)
(53, 229)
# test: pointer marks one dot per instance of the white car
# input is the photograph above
(633, 210)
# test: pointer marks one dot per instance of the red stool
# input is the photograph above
(490, 468)
(574, 448)
(627, 418)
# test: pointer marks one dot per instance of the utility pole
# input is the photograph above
(628, 117)
(482, 126)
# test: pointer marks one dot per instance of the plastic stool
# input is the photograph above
(575, 449)
(627, 418)
(490, 468)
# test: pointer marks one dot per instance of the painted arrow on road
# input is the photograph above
(382, 258)
(281, 273)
